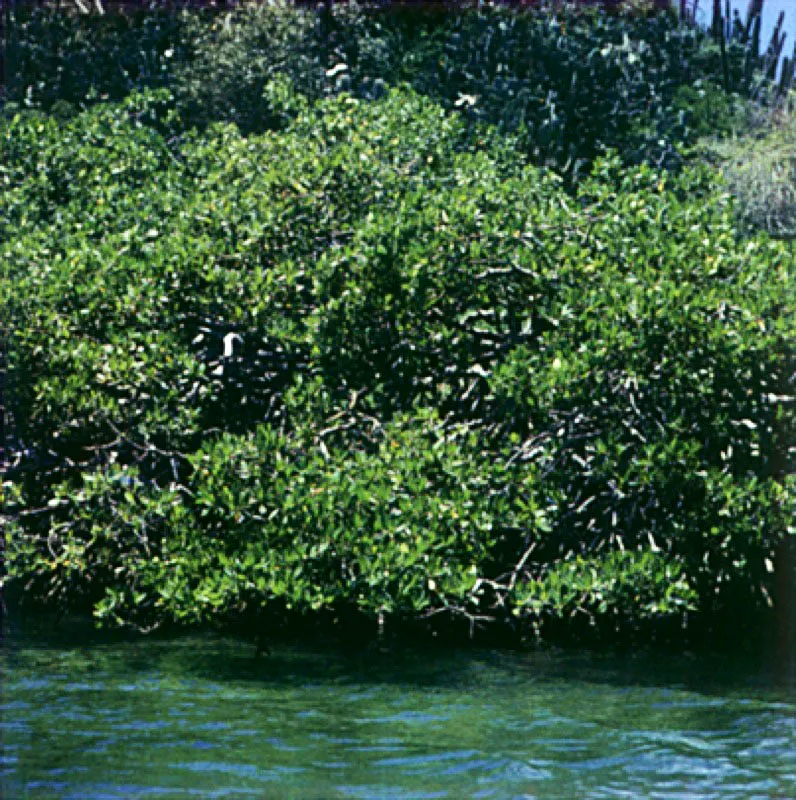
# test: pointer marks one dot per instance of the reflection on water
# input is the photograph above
(200, 717)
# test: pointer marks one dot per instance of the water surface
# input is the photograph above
(201, 717)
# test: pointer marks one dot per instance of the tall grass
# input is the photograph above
(760, 170)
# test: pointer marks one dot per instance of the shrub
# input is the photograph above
(566, 84)
(54, 57)
(377, 361)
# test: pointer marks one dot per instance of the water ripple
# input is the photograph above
(498, 729)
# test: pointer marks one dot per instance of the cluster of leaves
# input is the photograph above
(376, 361)
(570, 82)
(63, 61)
(566, 83)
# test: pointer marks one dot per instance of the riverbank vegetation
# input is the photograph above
(392, 316)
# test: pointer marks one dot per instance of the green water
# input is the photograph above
(201, 717)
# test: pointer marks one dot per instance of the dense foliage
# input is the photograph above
(376, 362)
(566, 84)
